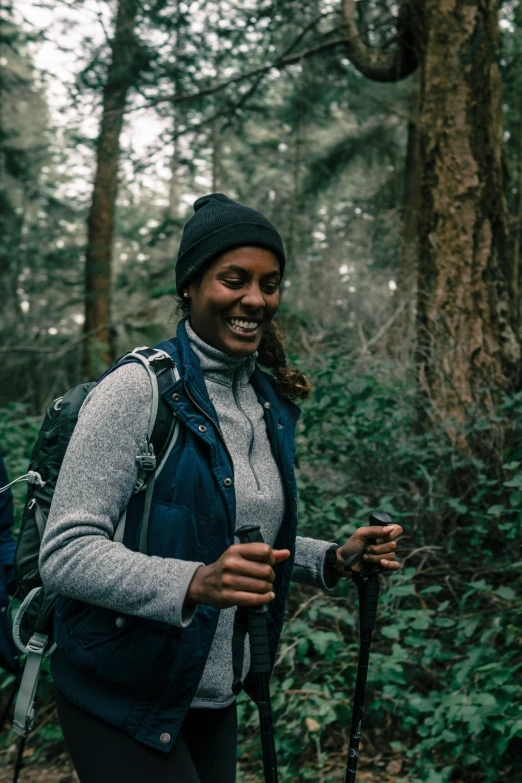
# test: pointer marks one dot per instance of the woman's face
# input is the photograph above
(235, 300)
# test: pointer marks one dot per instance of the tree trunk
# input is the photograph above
(98, 345)
(515, 275)
(174, 184)
(215, 139)
(216, 153)
(468, 350)
(402, 333)
(296, 188)
(174, 192)
(467, 347)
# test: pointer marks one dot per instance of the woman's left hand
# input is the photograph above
(381, 551)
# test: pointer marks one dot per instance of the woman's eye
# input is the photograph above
(268, 288)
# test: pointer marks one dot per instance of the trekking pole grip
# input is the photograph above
(257, 630)
(379, 518)
(250, 534)
(371, 579)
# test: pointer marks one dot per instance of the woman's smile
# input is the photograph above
(244, 326)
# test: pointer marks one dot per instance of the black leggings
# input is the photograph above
(204, 751)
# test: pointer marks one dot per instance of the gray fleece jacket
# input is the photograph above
(78, 556)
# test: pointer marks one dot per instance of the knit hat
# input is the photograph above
(218, 225)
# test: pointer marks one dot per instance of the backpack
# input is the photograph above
(32, 627)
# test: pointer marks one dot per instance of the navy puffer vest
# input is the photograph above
(141, 675)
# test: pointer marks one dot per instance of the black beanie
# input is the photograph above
(218, 225)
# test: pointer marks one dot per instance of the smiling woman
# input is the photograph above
(230, 265)
(151, 652)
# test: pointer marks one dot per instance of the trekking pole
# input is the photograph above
(368, 586)
(259, 651)
(20, 764)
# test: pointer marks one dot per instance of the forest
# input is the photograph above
(383, 138)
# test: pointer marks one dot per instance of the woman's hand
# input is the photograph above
(242, 576)
(382, 551)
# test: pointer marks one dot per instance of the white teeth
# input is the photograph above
(245, 325)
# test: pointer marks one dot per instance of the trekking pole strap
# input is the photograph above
(24, 712)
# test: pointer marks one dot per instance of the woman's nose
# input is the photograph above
(253, 297)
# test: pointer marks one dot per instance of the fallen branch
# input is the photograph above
(380, 333)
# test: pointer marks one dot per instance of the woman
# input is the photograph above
(145, 675)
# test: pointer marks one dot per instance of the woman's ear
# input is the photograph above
(189, 291)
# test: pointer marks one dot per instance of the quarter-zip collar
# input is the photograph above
(218, 366)
(192, 376)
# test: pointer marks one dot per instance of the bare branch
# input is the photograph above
(306, 30)
(281, 62)
(379, 64)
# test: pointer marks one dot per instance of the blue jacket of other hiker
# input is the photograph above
(141, 675)
(8, 653)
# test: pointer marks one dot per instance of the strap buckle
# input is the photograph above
(159, 356)
(147, 459)
(146, 462)
(37, 643)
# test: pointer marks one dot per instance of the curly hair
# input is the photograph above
(271, 354)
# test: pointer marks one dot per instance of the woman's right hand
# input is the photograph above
(242, 576)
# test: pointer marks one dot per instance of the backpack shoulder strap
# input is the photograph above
(162, 430)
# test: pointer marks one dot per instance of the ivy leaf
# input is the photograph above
(444, 622)
(506, 592)
(486, 700)
(391, 631)
(402, 590)
(431, 589)
(515, 483)
(459, 507)
(422, 622)
(516, 728)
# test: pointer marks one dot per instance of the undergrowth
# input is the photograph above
(444, 687)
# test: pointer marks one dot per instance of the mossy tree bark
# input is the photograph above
(467, 347)
(468, 351)
(98, 343)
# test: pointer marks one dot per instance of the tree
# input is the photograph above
(121, 74)
(467, 346)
